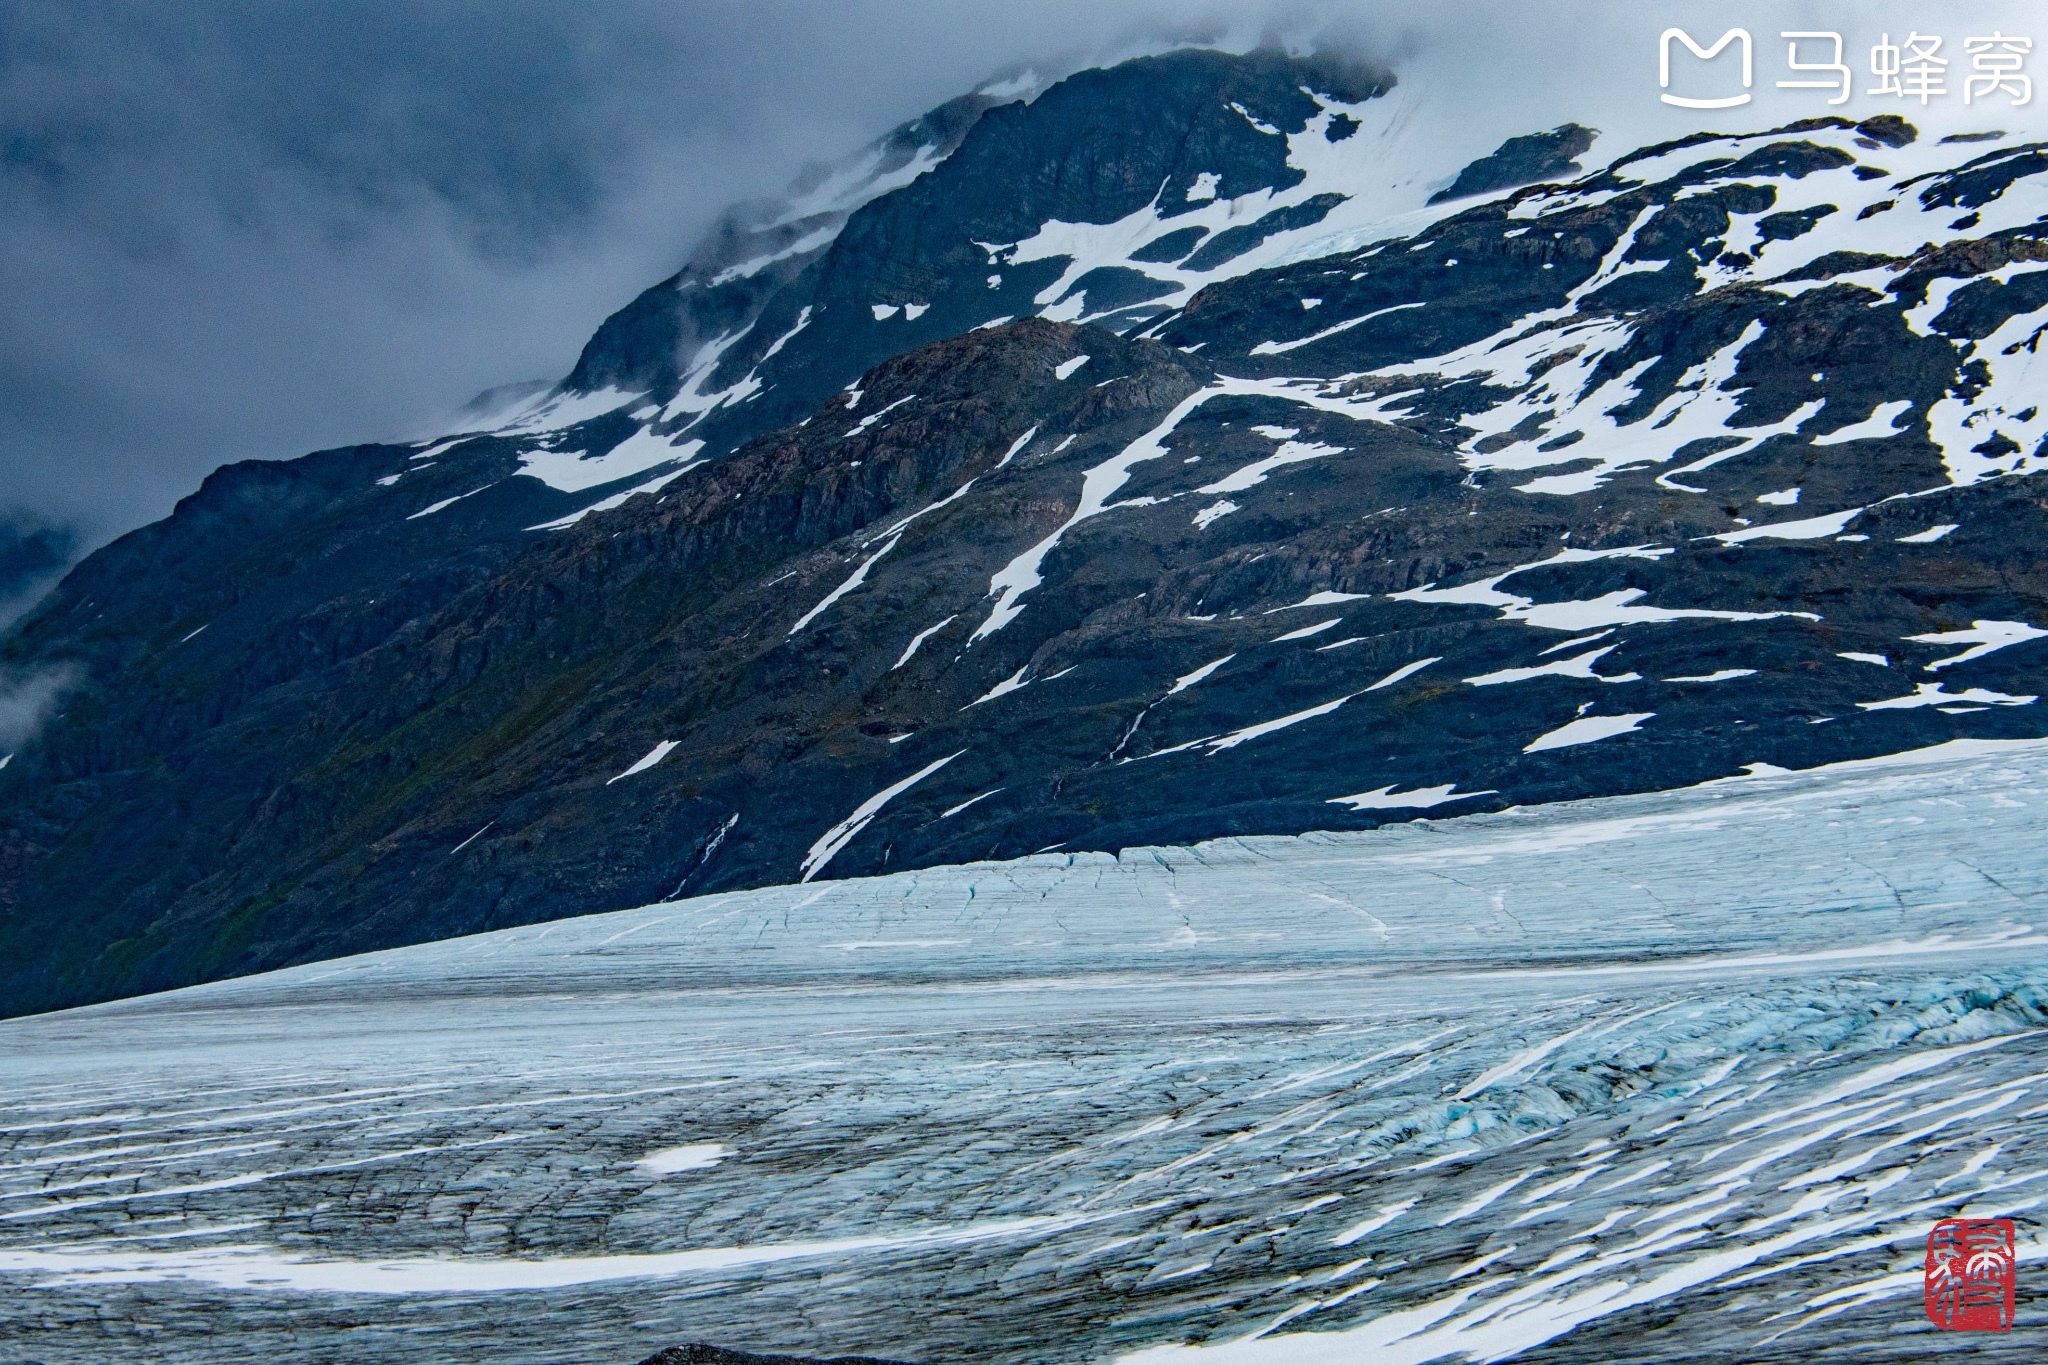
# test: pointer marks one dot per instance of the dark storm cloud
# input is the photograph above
(247, 229)
(115, 106)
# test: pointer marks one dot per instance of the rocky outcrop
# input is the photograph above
(1522, 161)
(698, 1354)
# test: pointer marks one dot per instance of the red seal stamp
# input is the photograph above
(1971, 1275)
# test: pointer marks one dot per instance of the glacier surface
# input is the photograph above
(1678, 1075)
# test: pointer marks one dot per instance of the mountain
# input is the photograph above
(1134, 475)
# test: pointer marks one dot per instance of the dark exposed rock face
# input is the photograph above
(1522, 161)
(1397, 524)
(713, 1355)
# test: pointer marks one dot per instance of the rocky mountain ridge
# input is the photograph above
(1715, 457)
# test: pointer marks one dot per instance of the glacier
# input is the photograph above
(1687, 1074)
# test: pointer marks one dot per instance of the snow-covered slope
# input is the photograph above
(950, 223)
(1596, 382)
(1684, 1076)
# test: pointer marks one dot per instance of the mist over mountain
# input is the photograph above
(245, 230)
(30, 556)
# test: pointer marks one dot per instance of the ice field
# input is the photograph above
(1686, 1075)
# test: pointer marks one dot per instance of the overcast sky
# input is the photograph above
(242, 228)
